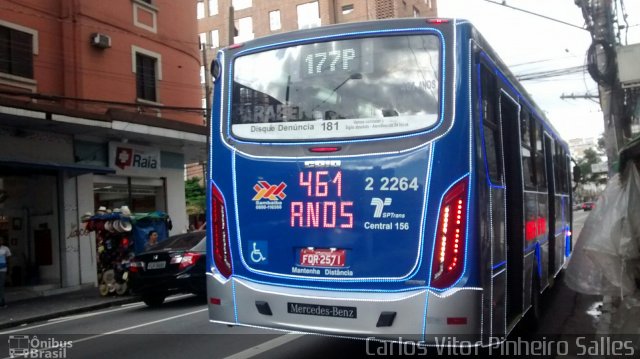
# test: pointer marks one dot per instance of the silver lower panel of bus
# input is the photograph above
(420, 315)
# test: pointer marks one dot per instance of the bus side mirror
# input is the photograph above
(215, 70)
(577, 174)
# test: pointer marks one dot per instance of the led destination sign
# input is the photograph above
(330, 62)
(318, 211)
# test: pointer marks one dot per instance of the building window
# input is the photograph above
(146, 77)
(244, 29)
(16, 52)
(241, 4)
(308, 15)
(140, 195)
(200, 9)
(215, 39)
(202, 70)
(416, 12)
(213, 7)
(203, 39)
(274, 20)
(347, 9)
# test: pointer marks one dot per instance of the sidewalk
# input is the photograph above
(83, 299)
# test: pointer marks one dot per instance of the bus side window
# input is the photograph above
(490, 127)
(526, 150)
(541, 170)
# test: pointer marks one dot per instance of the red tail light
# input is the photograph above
(221, 250)
(135, 267)
(437, 21)
(448, 257)
(189, 259)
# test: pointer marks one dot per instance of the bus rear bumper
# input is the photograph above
(419, 315)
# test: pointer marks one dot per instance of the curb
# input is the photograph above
(63, 313)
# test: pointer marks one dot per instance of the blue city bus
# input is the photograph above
(381, 179)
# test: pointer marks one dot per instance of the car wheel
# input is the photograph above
(153, 300)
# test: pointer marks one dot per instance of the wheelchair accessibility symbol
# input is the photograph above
(258, 252)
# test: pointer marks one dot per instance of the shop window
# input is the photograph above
(139, 197)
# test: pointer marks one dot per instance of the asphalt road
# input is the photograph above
(180, 329)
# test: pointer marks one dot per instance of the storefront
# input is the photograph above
(51, 174)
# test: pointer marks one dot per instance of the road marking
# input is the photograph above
(127, 328)
(266, 346)
(87, 315)
(140, 325)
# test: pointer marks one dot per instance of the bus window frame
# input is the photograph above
(444, 102)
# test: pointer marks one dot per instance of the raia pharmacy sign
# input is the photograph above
(127, 157)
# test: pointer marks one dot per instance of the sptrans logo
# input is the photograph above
(24, 346)
(269, 196)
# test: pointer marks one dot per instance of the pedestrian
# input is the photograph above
(5, 253)
(152, 240)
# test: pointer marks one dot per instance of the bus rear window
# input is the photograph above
(356, 88)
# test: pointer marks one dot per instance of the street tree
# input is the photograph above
(195, 196)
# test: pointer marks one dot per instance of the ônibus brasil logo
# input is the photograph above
(24, 346)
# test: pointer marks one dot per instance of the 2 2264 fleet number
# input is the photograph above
(392, 184)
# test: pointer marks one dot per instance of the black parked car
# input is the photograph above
(175, 265)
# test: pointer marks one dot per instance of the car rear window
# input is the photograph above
(181, 241)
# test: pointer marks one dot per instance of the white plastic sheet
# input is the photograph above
(606, 257)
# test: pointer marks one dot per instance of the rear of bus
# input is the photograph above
(340, 184)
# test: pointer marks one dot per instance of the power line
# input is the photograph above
(551, 73)
(504, 3)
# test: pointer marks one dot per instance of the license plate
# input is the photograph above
(156, 265)
(322, 310)
(323, 257)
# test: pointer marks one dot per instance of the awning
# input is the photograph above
(19, 167)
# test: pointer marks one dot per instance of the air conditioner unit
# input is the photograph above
(100, 41)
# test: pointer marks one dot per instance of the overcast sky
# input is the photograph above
(527, 43)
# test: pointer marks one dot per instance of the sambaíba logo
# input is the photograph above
(127, 157)
(265, 190)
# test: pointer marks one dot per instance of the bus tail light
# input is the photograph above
(449, 251)
(437, 21)
(221, 250)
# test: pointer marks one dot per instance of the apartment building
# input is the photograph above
(99, 106)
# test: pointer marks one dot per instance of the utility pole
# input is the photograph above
(602, 66)
(207, 84)
(232, 27)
